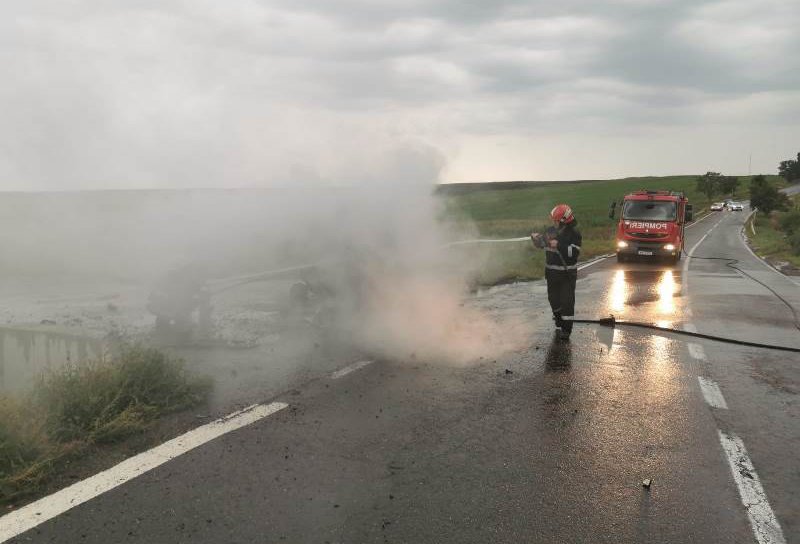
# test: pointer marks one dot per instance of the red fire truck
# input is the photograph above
(651, 225)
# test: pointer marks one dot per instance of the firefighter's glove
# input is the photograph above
(551, 235)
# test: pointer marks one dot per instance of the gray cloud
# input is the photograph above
(203, 93)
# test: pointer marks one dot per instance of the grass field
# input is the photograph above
(769, 241)
(514, 212)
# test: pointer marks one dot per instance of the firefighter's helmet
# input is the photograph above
(562, 214)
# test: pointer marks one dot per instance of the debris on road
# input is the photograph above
(508, 371)
(646, 483)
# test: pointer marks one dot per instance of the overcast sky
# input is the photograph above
(201, 93)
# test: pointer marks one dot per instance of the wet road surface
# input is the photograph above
(549, 443)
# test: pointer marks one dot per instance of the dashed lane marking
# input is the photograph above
(342, 372)
(712, 393)
(697, 351)
(38, 512)
(765, 525)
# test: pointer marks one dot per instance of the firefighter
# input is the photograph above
(562, 244)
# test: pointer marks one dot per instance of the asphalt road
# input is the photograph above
(549, 443)
(792, 189)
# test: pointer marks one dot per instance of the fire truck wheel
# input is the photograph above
(621, 258)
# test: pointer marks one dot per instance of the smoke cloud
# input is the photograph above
(373, 255)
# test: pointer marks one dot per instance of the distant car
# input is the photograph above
(736, 206)
(717, 206)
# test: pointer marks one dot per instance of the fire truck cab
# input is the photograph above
(651, 225)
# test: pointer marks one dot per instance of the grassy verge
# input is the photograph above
(771, 241)
(83, 405)
(517, 211)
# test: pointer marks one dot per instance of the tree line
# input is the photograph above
(763, 195)
(713, 183)
(790, 170)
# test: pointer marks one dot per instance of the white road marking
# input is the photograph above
(697, 351)
(594, 262)
(706, 216)
(761, 260)
(743, 239)
(685, 273)
(712, 393)
(765, 525)
(350, 368)
(38, 512)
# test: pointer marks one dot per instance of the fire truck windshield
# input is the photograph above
(649, 210)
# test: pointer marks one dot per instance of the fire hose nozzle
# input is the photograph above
(609, 321)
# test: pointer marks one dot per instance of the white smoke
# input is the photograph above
(380, 247)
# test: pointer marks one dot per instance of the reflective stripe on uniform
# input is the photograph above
(569, 249)
(561, 267)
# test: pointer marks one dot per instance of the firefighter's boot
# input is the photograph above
(566, 329)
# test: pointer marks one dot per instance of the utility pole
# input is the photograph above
(750, 165)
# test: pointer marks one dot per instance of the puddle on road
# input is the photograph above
(25, 354)
(558, 357)
(632, 288)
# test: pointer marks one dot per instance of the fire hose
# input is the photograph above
(612, 322)
(732, 264)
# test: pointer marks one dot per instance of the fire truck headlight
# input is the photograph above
(622, 243)
(669, 247)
